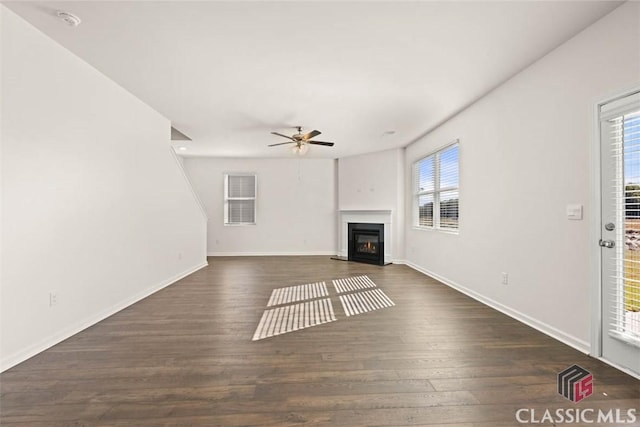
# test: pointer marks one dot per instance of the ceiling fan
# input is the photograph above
(301, 140)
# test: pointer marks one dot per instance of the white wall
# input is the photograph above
(375, 181)
(94, 206)
(525, 155)
(296, 206)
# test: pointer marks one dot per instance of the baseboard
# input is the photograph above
(580, 345)
(311, 253)
(49, 342)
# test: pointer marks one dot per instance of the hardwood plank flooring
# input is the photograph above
(185, 357)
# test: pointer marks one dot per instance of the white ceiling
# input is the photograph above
(228, 73)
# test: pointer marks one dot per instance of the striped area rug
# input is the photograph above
(297, 293)
(350, 284)
(363, 302)
(289, 318)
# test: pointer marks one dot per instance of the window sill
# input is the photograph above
(439, 230)
(239, 224)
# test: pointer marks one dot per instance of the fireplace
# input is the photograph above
(366, 242)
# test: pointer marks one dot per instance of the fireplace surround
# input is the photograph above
(345, 216)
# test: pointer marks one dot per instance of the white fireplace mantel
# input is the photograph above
(370, 217)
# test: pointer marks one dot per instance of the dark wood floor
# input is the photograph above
(184, 357)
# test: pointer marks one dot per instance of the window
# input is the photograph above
(436, 185)
(239, 199)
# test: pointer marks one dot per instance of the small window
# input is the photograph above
(436, 189)
(239, 199)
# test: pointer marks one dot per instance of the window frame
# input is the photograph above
(435, 192)
(227, 199)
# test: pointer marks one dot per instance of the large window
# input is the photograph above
(436, 185)
(239, 199)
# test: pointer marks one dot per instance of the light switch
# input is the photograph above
(574, 212)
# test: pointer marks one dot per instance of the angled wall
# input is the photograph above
(375, 181)
(95, 209)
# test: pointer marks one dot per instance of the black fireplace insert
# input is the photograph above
(366, 242)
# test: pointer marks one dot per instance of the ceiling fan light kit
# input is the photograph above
(300, 149)
(301, 141)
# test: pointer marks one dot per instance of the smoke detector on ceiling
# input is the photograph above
(71, 19)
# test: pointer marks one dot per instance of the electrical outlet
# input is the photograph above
(53, 299)
(505, 278)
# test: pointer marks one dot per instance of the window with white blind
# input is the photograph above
(436, 189)
(240, 199)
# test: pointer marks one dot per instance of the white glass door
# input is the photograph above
(620, 231)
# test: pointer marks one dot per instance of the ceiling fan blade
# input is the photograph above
(284, 136)
(281, 143)
(311, 135)
(328, 144)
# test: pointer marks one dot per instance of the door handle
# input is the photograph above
(607, 243)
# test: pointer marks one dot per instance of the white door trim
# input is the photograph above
(595, 261)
